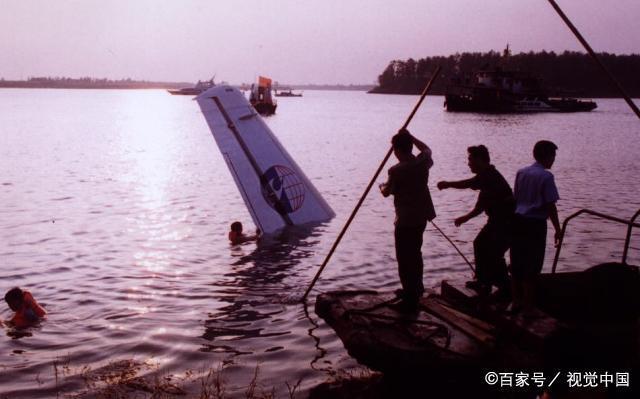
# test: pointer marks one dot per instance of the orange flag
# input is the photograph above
(264, 82)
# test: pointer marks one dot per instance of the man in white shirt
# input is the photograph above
(536, 195)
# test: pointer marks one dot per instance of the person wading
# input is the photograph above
(407, 182)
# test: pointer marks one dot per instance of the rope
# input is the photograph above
(439, 328)
(454, 245)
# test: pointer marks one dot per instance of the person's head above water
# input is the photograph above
(236, 227)
(544, 153)
(14, 298)
(236, 236)
(478, 159)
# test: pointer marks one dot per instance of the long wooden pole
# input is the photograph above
(366, 191)
(595, 57)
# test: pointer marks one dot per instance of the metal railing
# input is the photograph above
(627, 241)
(630, 223)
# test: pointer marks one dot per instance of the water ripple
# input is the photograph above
(124, 240)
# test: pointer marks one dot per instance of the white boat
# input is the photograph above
(533, 105)
(200, 87)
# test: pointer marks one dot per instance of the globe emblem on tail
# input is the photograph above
(282, 189)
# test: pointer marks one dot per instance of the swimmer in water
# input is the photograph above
(26, 307)
(236, 236)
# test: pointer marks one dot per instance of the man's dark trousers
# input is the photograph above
(489, 248)
(409, 255)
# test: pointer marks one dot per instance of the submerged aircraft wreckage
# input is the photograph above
(274, 188)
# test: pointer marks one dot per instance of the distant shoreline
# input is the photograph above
(166, 86)
(103, 84)
(441, 93)
(91, 84)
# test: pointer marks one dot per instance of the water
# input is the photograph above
(115, 206)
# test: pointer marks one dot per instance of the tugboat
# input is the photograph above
(260, 97)
(287, 93)
(499, 91)
(200, 87)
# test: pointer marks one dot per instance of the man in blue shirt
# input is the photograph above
(536, 196)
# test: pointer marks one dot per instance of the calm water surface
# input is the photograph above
(115, 206)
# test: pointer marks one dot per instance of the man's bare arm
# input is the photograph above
(464, 219)
(385, 189)
(421, 146)
(553, 215)
(460, 184)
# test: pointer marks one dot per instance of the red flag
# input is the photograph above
(264, 82)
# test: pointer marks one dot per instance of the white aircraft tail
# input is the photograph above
(274, 188)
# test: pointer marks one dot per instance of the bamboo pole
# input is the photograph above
(595, 57)
(366, 191)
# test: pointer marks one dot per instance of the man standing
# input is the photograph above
(496, 200)
(407, 183)
(536, 196)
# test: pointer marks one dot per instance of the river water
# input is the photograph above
(115, 207)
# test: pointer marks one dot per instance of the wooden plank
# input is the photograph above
(460, 323)
(533, 330)
(456, 293)
(488, 327)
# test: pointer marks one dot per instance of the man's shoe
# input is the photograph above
(404, 306)
(473, 284)
(478, 287)
(513, 308)
(501, 295)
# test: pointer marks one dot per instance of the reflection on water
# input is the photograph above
(115, 205)
(256, 289)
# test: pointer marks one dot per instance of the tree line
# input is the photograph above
(88, 83)
(569, 73)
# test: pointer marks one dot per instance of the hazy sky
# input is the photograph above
(322, 41)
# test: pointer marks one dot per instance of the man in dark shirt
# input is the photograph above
(496, 200)
(407, 183)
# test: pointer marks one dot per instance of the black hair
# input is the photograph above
(14, 295)
(543, 150)
(236, 226)
(402, 142)
(479, 152)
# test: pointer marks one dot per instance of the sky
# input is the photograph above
(323, 42)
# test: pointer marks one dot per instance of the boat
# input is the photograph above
(200, 87)
(502, 91)
(385, 339)
(260, 97)
(287, 93)
(583, 319)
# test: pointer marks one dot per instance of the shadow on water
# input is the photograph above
(17, 333)
(257, 290)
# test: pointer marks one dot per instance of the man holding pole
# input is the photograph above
(407, 183)
(495, 198)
